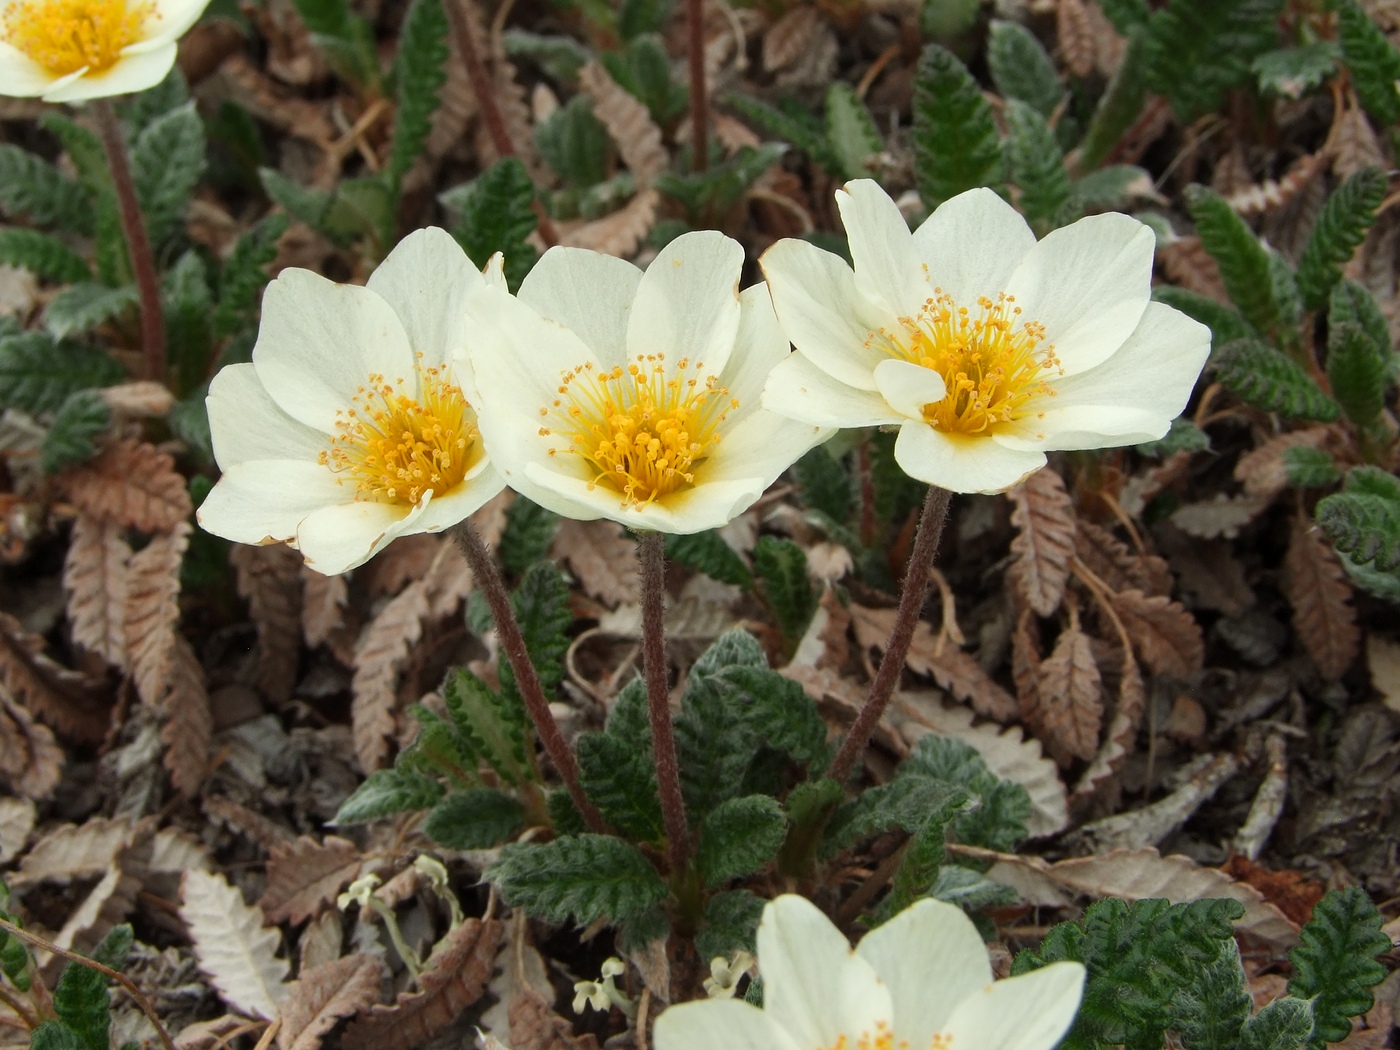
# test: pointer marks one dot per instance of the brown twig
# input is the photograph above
(63, 953)
(699, 105)
(866, 892)
(30, 1021)
(911, 601)
(138, 245)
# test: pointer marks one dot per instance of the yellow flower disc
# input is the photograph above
(64, 36)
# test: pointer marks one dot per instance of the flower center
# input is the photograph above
(991, 361)
(642, 429)
(883, 1039)
(65, 36)
(397, 449)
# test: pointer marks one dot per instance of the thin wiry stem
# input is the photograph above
(663, 737)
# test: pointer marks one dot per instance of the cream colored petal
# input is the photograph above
(1030, 1012)
(907, 387)
(337, 539)
(129, 74)
(171, 19)
(960, 463)
(931, 957)
(758, 348)
(719, 1024)
(245, 423)
(21, 76)
(797, 388)
(455, 505)
(262, 501)
(687, 303)
(888, 268)
(703, 507)
(589, 293)
(972, 244)
(1087, 426)
(761, 446)
(814, 294)
(494, 272)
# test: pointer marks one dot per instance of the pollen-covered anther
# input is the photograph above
(65, 36)
(642, 428)
(396, 448)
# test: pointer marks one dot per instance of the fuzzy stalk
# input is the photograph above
(911, 602)
(699, 104)
(663, 737)
(138, 245)
(484, 572)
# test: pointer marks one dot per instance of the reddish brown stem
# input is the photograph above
(484, 573)
(663, 738)
(911, 603)
(138, 245)
(699, 105)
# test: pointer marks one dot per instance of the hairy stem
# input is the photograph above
(138, 245)
(663, 737)
(699, 105)
(911, 601)
(484, 572)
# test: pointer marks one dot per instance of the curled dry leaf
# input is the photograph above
(1317, 587)
(1044, 542)
(602, 556)
(620, 233)
(628, 122)
(305, 874)
(234, 945)
(75, 851)
(325, 995)
(454, 977)
(1111, 560)
(535, 1026)
(31, 762)
(17, 817)
(1187, 263)
(1149, 825)
(380, 656)
(1221, 516)
(95, 579)
(1069, 708)
(64, 699)
(1259, 197)
(1267, 807)
(256, 828)
(142, 399)
(130, 483)
(207, 1035)
(1354, 143)
(1119, 736)
(1166, 636)
(323, 606)
(109, 902)
(1076, 32)
(270, 579)
(791, 37)
(189, 723)
(1262, 471)
(153, 609)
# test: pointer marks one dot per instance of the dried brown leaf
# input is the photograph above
(189, 723)
(153, 609)
(1044, 544)
(449, 581)
(109, 902)
(64, 699)
(1221, 516)
(74, 851)
(234, 945)
(130, 483)
(791, 37)
(1078, 46)
(95, 578)
(323, 605)
(454, 977)
(1317, 587)
(1259, 197)
(1187, 263)
(1262, 470)
(621, 232)
(1119, 736)
(1354, 143)
(31, 762)
(17, 817)
(208, 1035)
(1165, 635)
(628, 122)
(142, 399)
(1069, 711)
(1112, 561)
(380, 656)
(270, 579)
(252, 825)
(403, 561)
(324, 996)
(305, 874)
(602, 556)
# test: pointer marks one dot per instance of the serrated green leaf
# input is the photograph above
(956, 145)
(81, 999)
(1350, 303)
(528, 533)
(1356, 371)
(618, 777)
(1243, 262)
(541, 604)
(491, 725)
(1021, 68)
(245, 274)
(561, 57)
(734, 648)
(574, 143)
(420, 70)
(477, 818)
(1267, 379)
(1114, 186)
(1287, 300)
(167, 160)
(643, 68)
(721, 185)
(791, 124)
(386, 792)
(1308, 467)
(778, 711)
(38, 374)
(1119, 106)
(1211, 1013)
(1037, 168)
(731, 924)
(301, 202)
(781, 569)
(346, 39)
(1284, 1024)
(1341, 227)
(72, 436)
(1364, 526)
(580, 879)
(363, 207)
(35, 189)
(708, 553)
(54, 1036)
(851, 130)
(43, 256)
(1226, 324)
(84, 306)
(1294, 71)
(738, 837)
(188, 305)
(1198, 50)
(1372, 481)
(141, 109)
(1184, 436)
(1127, 16)
(496, 216)
(970, 890)
(1373, 61)
(947, 20)
(1335, 964)
(825, 484)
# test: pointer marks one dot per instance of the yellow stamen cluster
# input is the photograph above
(397, 448)
(991, 362)
(883, 1039)
(64, 36)
(642, 428)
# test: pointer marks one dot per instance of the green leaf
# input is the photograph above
(1226, 324)
(33, 188)
(1289, 303)
(825, 484)
(477, 818)
(1037, 168)
(1114, 186)
(54, 1036)
(496, 217)
(301, 202)
(618, 777)
(1199, 50)
(970, 890)
(1335, 964)
(38, 374)
(731, 924)
(1373, 61)
(42, 255)
(386, 792)
(739, 837)
(1127, 16)
(245, 274)
(722, 185)
(542, 607)
(1356, 371)
(1212, 1012)
(708, 553)
(1184, 436)
(561, 57)
(1294, 71)
(188, 306)
(85, 306)
(996, 818)
(734, 648)
(919, 866)
(1350, 303)
(1021, 68)
(528, 533)
(851, 130)
(1284, 1024)
(81, 999)
(1364, 526)
(1119, 106)
(781, 567)
(574, 143)
(791, 124)
(346, 39)
(777, 711)
(167, 160)
(643, 16)
(363, 207)
(491, 725)
(1341, 227)
(956, 146)
(947, 20)
(1257, 373)
(580, 879)
(1310, 468)
(141, 109)
(420, 70)
(1244, 264)
(644, 69)
(72, 436)
(1372, 481)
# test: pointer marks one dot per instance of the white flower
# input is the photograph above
(723, 981)
(607, 392)
(986, 348)
(922, 981)
(352, 425)
(70, 50)
(603, 993)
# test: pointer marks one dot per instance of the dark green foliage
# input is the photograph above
(1211, 1014)
(167, 160)
(776, 710)
(301, 202)
(722, 185)
(528, 533)
(1198, 50)
(81, 999)
(1118, 106)
(616, 767)
(738, 837)
(1341, 226)
(1308, 467)
(1244, 264)
(490, 726)
(51, 1035)
(896, 493)
(1335, 963)
(1356, 370)
(642, 16)
(781, 567)
(559, 56)
(84, 306)
(923, 856)
(1284, 1024)
(42, 255)
(578, 879)
(1294, 71)
(1184, 436)
(851, 130)
(644, 69)
(1038, 168)
(1114, 186)
(420, 69)
(1225, 323)
(956, 145)
(477, 818)
(346, 39)
(37, 373)
(793, 124)
(140, 109)
(34, 189)
(386, 792)
(1266, 378)
(542, 607)
(187, 303)
(1021, 68)
(708, 553)
(825, 484)
(1373, 61)
(948, 20)
(1287, 299)
(72, 436)
(1126, 15)
(496, 216)
(245, 274)
(1350, 303)
(574, 142)
(970, 890)
(1364, 526)
(731, 924)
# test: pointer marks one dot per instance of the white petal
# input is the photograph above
(703, 507)
(931, 957)
(1088, 284)
(442, 512)
(245, 423)
(131, 73)
(687, 303)
(20, 75)
(589, 293)
(759, 347)
(495, 272)
(960, 463)
(319, 342)
(262, 501)
(972, 244)
(1030, 1012)
(762, 446)
(337, 539)
(888, 268)
(797, 388)
(172, 18)
(814, 986)
(814, 293)
(907, 387)
(718, 1024)
(1087, 426)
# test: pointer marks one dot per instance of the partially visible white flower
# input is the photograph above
(985, 347)
(723, 981)
(603, 993)
(921, 981)
(70, 50)
(360, 892)
(353, 425)
(609, 392)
